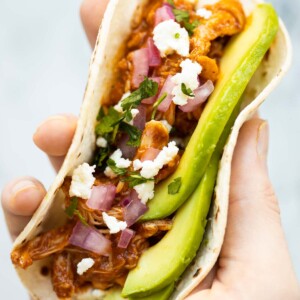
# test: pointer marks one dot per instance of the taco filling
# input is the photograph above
(168, 70)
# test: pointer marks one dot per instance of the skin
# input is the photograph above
(254, 262)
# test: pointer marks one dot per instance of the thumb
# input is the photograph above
(254, 255)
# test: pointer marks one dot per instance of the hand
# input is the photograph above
(22, 196)
(254, 262)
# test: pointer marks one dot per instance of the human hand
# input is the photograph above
(22, 196)
(254, 262)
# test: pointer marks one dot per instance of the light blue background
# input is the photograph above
(44, 59)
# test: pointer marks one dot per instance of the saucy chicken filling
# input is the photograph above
(163, 81)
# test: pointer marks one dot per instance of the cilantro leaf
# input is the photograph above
(134, 178)
(187, 91)
(134, 134)
(72, 210)
(81, 218)
(181, 15)
(148, 88)
(108, 122)
(101, 114)
(118, 171)
(190, 27)
(174, 187)
(100, 157)
(157, 103)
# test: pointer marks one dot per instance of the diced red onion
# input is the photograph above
(151, 100)
(127, 151)
(153, 53)
(102, 197)
(150, 154)
(125, 201)
(125, 238)
(167, 88)
(164, 13)
(134, 195)
(133, 211)
(89, 239)
(201, 95)
(140, 120)
(140, 66)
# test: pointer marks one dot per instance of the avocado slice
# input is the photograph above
(163, 263)
(241, 58)
(161, 295)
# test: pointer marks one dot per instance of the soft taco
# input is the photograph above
(139, 207)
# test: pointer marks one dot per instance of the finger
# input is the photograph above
(91, 13)
(20, 199)
(254, 240)
(54, 137)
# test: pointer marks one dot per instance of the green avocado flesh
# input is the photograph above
(161, 295)
(163, 263)
(241, 58)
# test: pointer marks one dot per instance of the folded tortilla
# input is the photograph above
(116, 26)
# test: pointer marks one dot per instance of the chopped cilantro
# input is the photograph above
(101, 114)
(174, 187)
(190, 27)
(181, 15)
(100, 157)
(187, 91)
(72, 210)
(157, 103)
(118, 171)
(134, 178)
(108, 122)
(81, 218)
(148, 88)
(134, 134)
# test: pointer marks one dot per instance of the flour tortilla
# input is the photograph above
(116, 26)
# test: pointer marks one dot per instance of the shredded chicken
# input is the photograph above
(155, 135)
(63, 275)
(42, 246)
(228, 18)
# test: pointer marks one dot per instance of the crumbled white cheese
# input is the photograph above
(150, 168)
(189, 76)
(145, 191)
(101, 142)
(169, 37)
(84, 265)
(82, 181)
(118, 106)
(120, 163)
(167, 125)
(108, 172)
(119, 160)
(113, 224)
(204, 13)
(134, 113)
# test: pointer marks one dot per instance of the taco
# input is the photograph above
(133, 211)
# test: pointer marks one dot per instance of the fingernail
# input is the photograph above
(25, 197)
(263, 140)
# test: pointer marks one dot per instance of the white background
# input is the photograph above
(44, 58)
